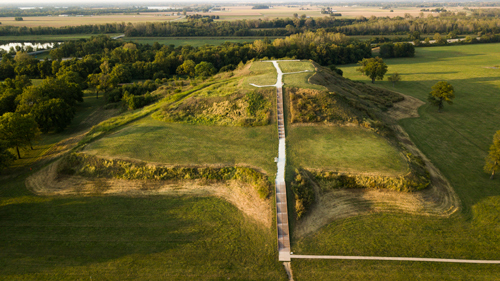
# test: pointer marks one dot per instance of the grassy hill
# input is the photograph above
(130, 224)
(456, 141)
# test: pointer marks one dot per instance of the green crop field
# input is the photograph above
(456, 141)
(184, 144)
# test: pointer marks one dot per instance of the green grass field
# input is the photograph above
(192, 41)
(184, 144)
(347, 149)
(263, 73)
(295, 66)
(148, 238)
(130, 238)
(299, 80)
(456, 141)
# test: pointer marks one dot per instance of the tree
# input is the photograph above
(439, 39)
(53, 114)
(57, 54)
(5, 156)
(441, 92)
(186, 68)
(395, 77)
(121, 73)
(493, 158)
(259, 46)
(205, 69)
(103, 81)
(387, 50)
(375, 68)
(18, 130)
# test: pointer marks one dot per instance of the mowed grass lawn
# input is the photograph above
(183, 144)
(456, 141)
(299, 80)
(130, 238)
(263, 73)
(345, 149)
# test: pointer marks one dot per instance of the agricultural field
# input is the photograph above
(456, 141)
(229, 14)
(87, 20)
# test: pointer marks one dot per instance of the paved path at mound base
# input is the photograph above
(393, 259)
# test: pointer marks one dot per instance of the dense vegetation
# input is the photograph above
(94, 167)
(303, 190)
(250, 109)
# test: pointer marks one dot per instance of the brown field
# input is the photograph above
(73, 21)
(231, 13)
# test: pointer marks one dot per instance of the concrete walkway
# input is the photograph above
(280, 185)
(394, 259)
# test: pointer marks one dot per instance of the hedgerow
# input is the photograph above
(95, 167)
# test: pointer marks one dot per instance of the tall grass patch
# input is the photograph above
(252, 108)
(95, 167)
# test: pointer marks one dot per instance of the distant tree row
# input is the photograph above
(484, 20)
(51, 11)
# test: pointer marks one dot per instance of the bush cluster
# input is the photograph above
(416, 178)
(312, 106)
(304, 192)
(238, 109)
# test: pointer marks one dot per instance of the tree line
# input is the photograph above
(103, 65)
(481, 20)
